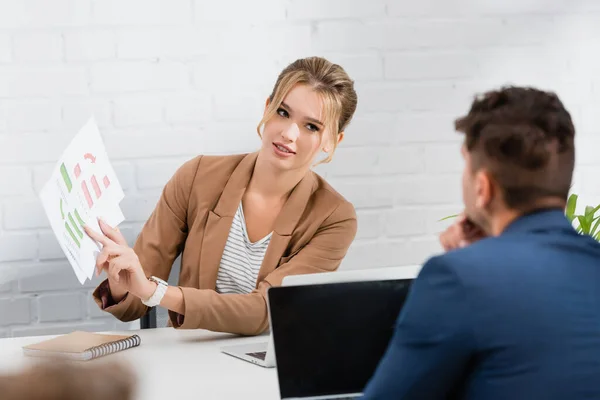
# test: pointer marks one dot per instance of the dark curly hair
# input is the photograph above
(525, 138)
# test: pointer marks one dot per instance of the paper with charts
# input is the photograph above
(83, 187)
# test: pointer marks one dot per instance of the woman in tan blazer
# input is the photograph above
(213, 202)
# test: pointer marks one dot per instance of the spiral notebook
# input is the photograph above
(82, 346)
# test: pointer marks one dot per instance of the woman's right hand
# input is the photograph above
(117, 290)
(461, 234)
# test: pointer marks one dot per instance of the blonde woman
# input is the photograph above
(242, 222)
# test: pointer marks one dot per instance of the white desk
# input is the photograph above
(177, 364)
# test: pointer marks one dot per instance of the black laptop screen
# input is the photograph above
(329, 338)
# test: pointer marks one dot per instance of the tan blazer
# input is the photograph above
(312, 234)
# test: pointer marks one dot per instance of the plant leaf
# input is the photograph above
(448, 217)
(571, 206)
(595, 227)
(584, 224)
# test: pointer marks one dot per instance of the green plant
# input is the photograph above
(588, 223)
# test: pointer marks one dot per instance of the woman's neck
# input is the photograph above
(271, 183)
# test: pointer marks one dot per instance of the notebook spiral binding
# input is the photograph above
(109, 348)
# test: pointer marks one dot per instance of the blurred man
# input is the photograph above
(58, 380)
(512, 310)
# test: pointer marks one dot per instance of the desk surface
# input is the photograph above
(178, 364)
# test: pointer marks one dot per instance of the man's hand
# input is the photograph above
(461, 234)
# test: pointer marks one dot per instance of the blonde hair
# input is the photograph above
(330, 81)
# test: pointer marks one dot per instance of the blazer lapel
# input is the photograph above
(286, 222)
(219, 222)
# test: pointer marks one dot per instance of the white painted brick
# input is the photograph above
(38, 46)
(138, 76)
(364, 66)
(24, 214)
(64, 328)
(125, 174)
(223, 73)
(15, 311)
(170, 42)
(335, 9)
(368, 254)
(418, 250)
(425, 127)
(142, 12)
(586, 147)
(42, 80)
(61, 307)
(5, 49)
(18, 246)
(188, 107)
(408, 96)
(401, 160)
(352, 162)
(243, 11)
(5, 287)
(243, 106)
(425, 66)
(138, 110)
(162, 142)
(61, 280)
(370, 224)
(440, 158)
(448, 34)
(3, 117)
(366, 193)
(272, 40)
(90, 45)
(406, 221)
(58, 13)
(430, 8)
(591, 181)
(155, 174)
(49, 249)
(77, 111)
(33, 115)
(41, 174)
(345, 36)
(369, 129)
(138, 208)
(427, 189)
(15, 181)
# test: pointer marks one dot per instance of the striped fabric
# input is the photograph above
(241, 259)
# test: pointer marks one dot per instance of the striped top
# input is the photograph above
(241, 258)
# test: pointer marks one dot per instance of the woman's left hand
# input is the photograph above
(120, 262)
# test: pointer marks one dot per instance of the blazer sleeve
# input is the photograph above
(432, 343)
(159, 243)
(246, 314)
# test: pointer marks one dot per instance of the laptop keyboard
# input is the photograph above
(260, 355)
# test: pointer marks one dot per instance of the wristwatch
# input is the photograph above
(159, 293)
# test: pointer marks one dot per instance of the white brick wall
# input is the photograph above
(167, 80)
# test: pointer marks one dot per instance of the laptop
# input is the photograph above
(262, 354)
(329, 338)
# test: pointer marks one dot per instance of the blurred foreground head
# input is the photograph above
(70, 381)
(519, 150)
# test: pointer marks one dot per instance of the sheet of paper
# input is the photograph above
(83, 187)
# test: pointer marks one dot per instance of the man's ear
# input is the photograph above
(484, 189)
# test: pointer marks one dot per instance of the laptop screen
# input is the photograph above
(329, 338)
